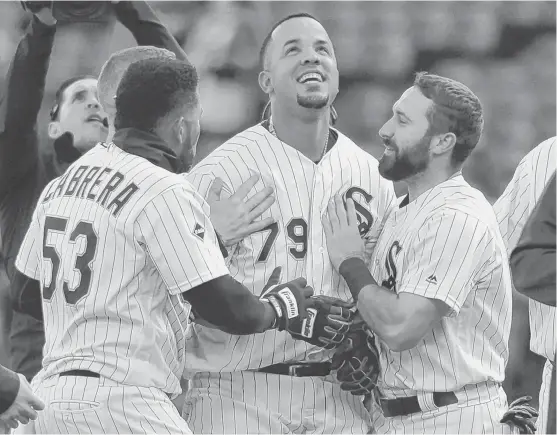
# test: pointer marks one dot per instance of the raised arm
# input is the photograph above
(21, 100)
(146, 28)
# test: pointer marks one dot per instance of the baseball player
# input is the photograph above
(77, 123)
(512, 210)
(119, 244)
(438, 295)
(270, 383)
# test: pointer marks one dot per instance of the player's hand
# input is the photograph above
(42, 10)
(234, 218)
(290, 301)
(356, 361)
(341, 230)
(327, 323)
(521, 415)
(24, 408)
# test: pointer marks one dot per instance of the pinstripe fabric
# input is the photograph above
(544, 398)
(481, 416)
(446, 245)
(269, 403)
(76, 404)
(303, 190)
(114, 304)
(297, 243)
(513, 209)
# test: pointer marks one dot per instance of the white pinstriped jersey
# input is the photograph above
(296, 241)
(513, 209)
(114, 242)
(446, 245)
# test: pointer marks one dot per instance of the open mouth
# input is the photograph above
(311, 77)
(100, 120)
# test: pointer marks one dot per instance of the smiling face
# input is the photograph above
(81, 114)
(300, 65)
(406, 137)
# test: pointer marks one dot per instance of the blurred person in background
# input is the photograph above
(18, 404)
(513, 209)
(77, 124)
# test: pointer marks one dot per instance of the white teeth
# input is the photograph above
(310, 76)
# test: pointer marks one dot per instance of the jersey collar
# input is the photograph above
(149, 146)
(333, 137)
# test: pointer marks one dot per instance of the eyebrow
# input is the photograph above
(291, 41)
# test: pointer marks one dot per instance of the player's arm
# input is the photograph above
(403, 318)
(532, 261)
(179, 238)
(21, 100)
(512, 207)
(140, 19)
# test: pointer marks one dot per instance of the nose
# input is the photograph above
(93, 104)
(310, 58)
(386, 132)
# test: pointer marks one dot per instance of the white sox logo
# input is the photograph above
(390, 283)
(365, 218)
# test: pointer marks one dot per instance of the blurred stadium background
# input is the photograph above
(504, 51)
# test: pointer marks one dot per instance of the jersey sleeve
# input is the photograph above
(28, 260)
(512, 207)
(445, 258)
(180, 240)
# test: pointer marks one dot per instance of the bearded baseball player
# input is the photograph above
(513, 209)
(271, 382)
(438, 295)
(119, 244)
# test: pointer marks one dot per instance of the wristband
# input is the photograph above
(356, 274)
(278, 310)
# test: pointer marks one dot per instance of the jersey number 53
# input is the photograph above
(82, 262)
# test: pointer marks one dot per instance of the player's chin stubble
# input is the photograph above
(313, 101)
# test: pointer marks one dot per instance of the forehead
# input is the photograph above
(87, 85)
(303, 28)
(413, 103)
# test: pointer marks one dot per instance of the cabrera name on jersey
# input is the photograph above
(113, 260)
(296, 241)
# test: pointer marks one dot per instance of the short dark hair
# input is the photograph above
(59, 97)
(456, 109)
(152, 88)
(268, 38)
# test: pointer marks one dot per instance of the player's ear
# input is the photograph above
(54, 130)
(443, 143)
(265, 82)
(179, 128)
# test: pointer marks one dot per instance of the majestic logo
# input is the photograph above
(199, 231)
(432, 279)
(365, 218)
(390, 283)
